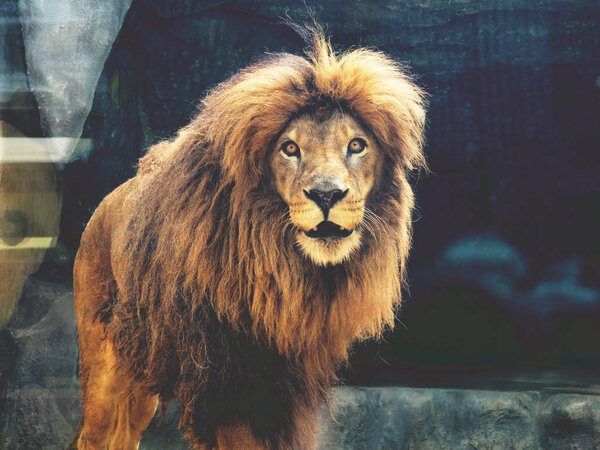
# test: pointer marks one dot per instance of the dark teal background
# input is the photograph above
(505, 266)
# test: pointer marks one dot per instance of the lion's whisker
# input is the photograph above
(376, 219)
(369, 227)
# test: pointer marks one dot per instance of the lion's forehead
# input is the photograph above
(315, 129)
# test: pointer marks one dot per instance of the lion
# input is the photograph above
(235, 270)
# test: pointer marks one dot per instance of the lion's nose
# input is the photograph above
(325, 199)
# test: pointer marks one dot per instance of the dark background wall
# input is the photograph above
(505, 268)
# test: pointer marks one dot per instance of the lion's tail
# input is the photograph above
(73, 443)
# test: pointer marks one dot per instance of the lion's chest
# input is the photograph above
(245, 380)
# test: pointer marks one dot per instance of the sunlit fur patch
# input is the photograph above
(329, 251)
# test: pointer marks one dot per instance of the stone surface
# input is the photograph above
(405, 418)
(42, 394)
(66, 45)
(39, 361)
(8, 357)
(33, 420)
(570, 422)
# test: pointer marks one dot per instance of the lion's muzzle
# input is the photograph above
(325, 199)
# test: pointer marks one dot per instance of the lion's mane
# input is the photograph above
(214, 301)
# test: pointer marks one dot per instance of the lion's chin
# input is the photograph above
(323, 251)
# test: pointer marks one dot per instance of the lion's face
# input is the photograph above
(325, 166)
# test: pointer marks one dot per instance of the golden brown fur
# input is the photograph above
(190, 283)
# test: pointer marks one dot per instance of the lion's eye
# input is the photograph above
(357, 145)
(290, 148)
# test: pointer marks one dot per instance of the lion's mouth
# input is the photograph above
(327, 229)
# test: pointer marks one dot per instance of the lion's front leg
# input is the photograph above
(115, 411)
(99, 393)
(133, 415)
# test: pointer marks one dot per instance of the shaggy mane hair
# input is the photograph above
(213, 293)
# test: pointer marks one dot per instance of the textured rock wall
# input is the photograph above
(403, 418)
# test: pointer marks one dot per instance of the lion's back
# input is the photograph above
(101, 258)
(97, 261)
(155, 158)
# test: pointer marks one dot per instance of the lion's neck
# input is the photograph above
(314, 312)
